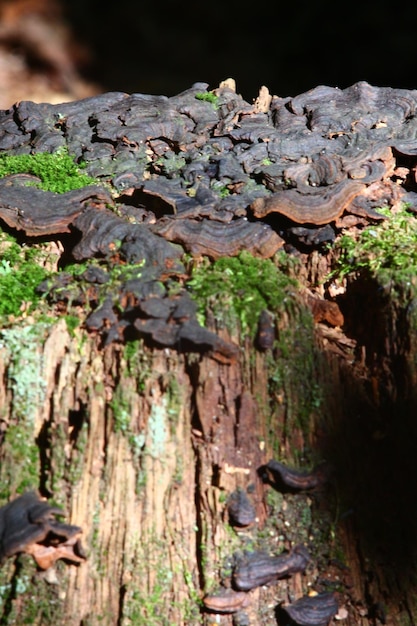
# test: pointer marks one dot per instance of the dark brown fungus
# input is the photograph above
(240, 509)
(193, 336)
(216, 239)
(285, 478)
(257, 568)
(315, 610)
(39, 212)
(322, 170)
(319, 206)
(210, 179)
(226, 601)
(28, 524)
(265, 335)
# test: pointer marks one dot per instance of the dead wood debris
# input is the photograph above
(28, 524)
(210, 174)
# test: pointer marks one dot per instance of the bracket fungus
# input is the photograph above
(240, 509)
(288, 479)
(209, 174)
(28, 524)
(255, 569)
(314, 610)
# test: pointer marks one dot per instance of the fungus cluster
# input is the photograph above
(209, 174)
(256, 568)
(28, 524)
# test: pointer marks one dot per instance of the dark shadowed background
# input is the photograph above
(60, 50)
(163, 47)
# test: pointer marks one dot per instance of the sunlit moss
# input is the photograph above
(237, 289)
(57, 172)
(387, 250)
(21, 271)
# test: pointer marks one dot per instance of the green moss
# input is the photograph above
(208, 97)
(26, 598)
(174, 400)
(20, 465)
(138, 363)
(20, 274)
(58, 172)
(237, 289)
(72, 322)
(154, 603)
(170, 164)
(387, 250)
(121, 411)
(220, 188)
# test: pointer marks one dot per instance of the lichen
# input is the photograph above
(25, 368)
(157, 429)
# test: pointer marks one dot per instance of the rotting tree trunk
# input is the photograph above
(141, 447)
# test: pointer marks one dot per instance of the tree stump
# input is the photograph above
(229, 424)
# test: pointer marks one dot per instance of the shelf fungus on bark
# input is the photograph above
(226, 601)
(216, 239)
(266, 333)
(28, 524)
(38, 212)
(240, 509)
(319, 206)
(255, 569)
(284, 478)
(315, 610)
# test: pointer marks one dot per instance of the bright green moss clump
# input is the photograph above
(208, 97)
(20, 274)
(239, 288)
(387, 250)
(58, 172)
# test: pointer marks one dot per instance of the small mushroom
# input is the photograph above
(240, 509)
(257, 568)
(287, 479)
(226, 601)
(315, 610)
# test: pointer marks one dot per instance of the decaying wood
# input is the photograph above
(157, 450)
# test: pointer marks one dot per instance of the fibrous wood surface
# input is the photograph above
(142, 423)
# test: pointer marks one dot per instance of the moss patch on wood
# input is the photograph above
(57, 172)
(237, 289)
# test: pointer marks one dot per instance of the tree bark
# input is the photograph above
(142, 447)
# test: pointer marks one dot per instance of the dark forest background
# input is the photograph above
(163, 47)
